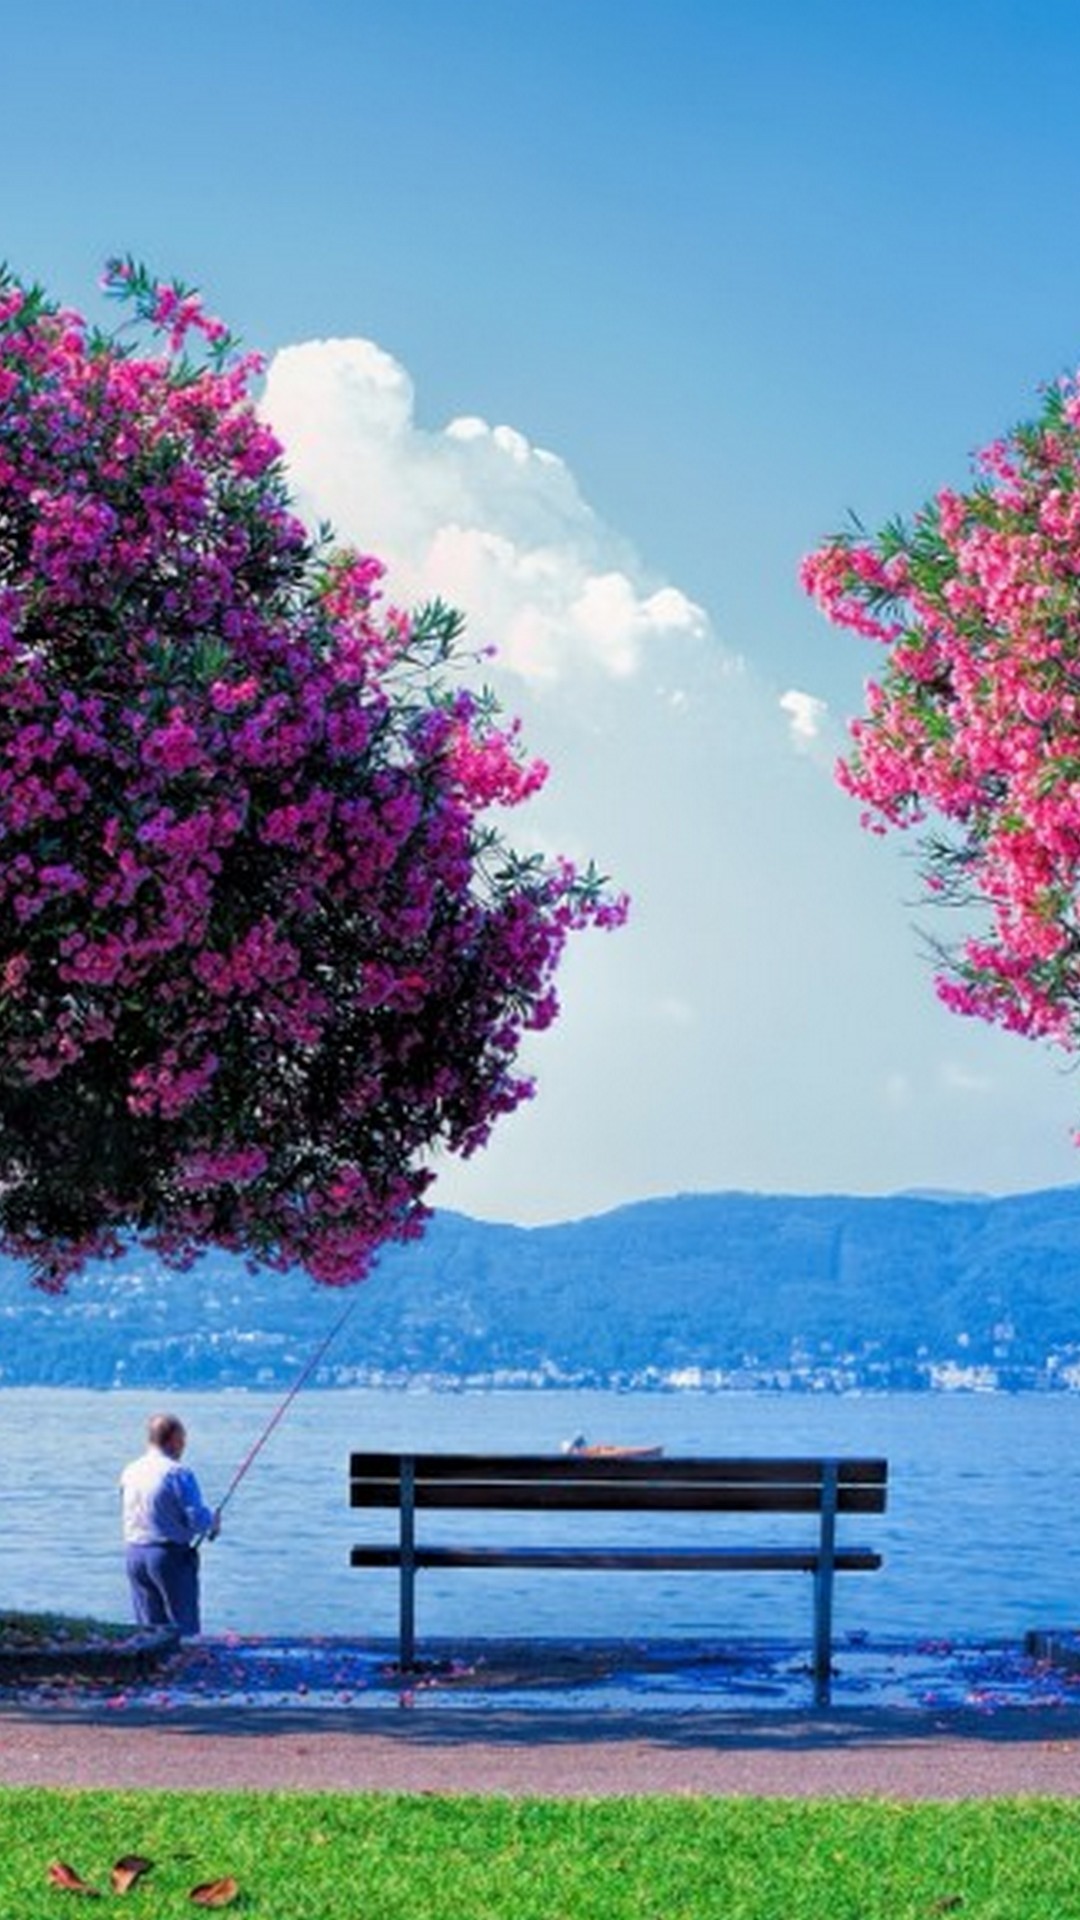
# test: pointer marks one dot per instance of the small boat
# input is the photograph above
(583, 1449)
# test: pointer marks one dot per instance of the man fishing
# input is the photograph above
(164, 1518)
(165, 1515)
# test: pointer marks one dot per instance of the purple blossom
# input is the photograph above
(260, 953)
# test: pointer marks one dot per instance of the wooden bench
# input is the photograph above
(575, 1483)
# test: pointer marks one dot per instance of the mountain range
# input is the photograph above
(815, 1292)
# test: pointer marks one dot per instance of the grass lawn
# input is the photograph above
(28, 1632)
(381, 1857)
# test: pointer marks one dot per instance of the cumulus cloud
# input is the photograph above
(471, 513)
(702, 1046)
(762, 1021)
(806, 716)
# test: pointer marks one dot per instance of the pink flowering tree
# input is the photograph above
(972, 730)
(261, 950)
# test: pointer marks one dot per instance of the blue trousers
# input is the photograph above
(164, 1582)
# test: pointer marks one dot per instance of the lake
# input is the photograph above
(979, 1540)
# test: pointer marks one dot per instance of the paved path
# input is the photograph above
(893, 1754)
(581, 1719)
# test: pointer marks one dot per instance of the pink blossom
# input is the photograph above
(234, 1167)
(972, 733)
(260, 956)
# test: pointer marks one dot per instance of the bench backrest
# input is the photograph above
(612, 1483)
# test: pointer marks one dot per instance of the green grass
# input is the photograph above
(384, 1857)
(25, 1632)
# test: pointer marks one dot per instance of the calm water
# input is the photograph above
(980, 1537)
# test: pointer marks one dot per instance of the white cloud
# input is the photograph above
(898, 1090)
(956, 1078)
(472, 513)
(744, 1030)
(806, 716)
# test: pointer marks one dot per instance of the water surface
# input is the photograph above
(979, 1539)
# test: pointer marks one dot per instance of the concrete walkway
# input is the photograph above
(557, 1718)
(892, 1754)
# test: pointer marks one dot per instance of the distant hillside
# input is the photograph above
(710, 1289)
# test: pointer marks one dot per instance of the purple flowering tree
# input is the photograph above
(261, 950)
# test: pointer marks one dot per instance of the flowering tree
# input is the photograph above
(972, 732)
(260, 952)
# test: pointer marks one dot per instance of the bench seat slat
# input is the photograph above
(645, 1559)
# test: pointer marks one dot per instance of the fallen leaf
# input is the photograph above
(128, 1869)
(61, 1875)
(948, 1903)
(215, 1893)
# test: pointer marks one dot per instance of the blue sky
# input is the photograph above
(738, 268)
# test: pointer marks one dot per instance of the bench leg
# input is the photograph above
(823, 1596)
(823, 1587)
(407, 1585)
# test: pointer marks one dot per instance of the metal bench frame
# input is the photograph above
(556, 1483)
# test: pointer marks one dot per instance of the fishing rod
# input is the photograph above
(282, 1409)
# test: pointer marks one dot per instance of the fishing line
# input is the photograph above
(281, 1410)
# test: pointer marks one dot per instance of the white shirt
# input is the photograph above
(162, 1502)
